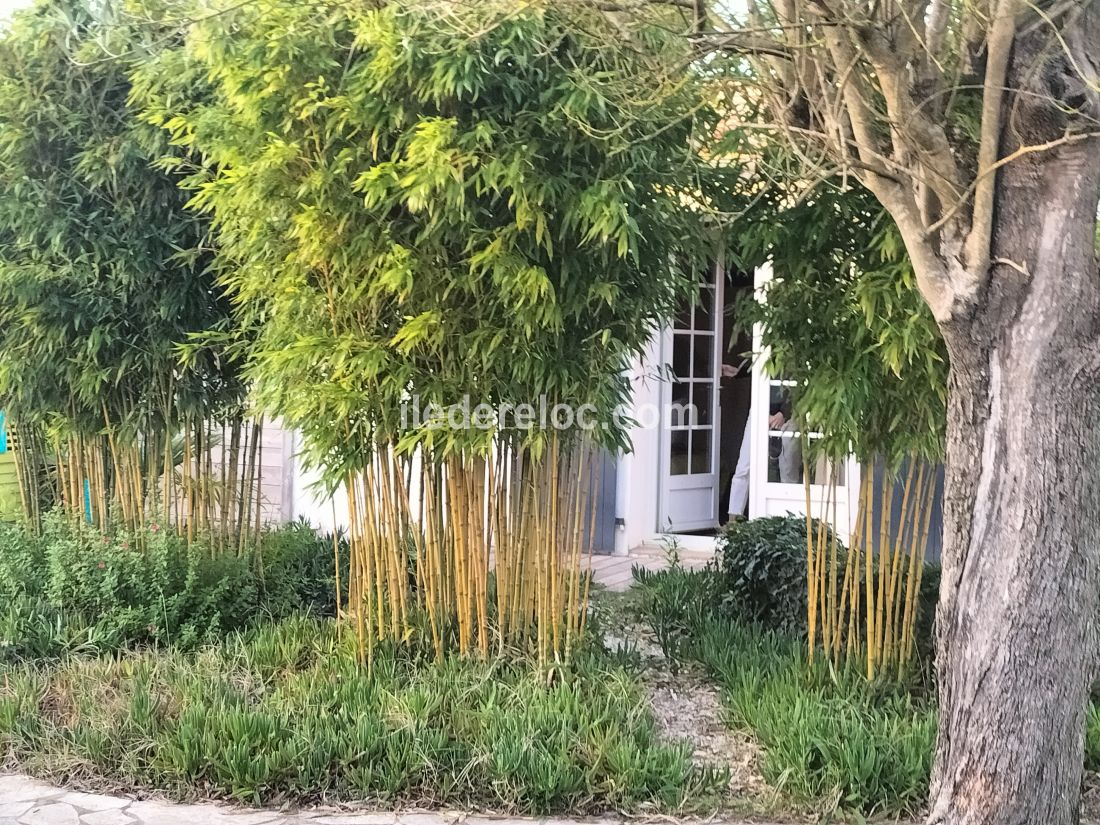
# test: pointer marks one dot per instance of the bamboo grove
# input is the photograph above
(445, 206)
(864, 600)
(493, 546)
(104, 277)
(844, 323)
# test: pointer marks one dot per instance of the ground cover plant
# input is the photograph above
(168, 665)
(830, 737)
(286, 713)
(73, 588)
(827, 735)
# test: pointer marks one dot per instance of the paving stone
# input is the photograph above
(16, 809)
(168, 813)
(246, 817)
(28, 788)
(108, 817)
(25, 801)
(53, 813)
(94, 801)
(418, 819)
(165, 813)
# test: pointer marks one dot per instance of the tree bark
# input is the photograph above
(1021, 566)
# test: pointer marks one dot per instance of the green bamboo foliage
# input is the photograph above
(843, 321)
(103, 277)
(438, 203)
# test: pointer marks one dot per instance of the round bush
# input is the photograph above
(761, 570)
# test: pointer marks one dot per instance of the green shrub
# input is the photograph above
(152, 588)
(285, 713)
(761, 570)
(74, 588)
(298, 570)
(22, 561)
(760, 573)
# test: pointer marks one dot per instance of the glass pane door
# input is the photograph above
(781, 452)
(690, 413)
(790, 448)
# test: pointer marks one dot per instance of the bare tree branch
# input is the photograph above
(1001, 36)
(742, 43)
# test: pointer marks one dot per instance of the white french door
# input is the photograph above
(777, 469)
(689, 442)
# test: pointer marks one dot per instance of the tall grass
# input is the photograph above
(286, 713)
(829, 737)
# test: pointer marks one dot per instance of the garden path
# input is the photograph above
(26, 801)
(613, 572)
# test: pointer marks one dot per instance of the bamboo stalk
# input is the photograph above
(885, 517)
(869, 580)
(582, 606)
(834, 608)
(918, 553)
(811, 563)
(889, 641)
(20, 456)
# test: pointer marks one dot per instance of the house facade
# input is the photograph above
(676, 482)
(696, 406)
(702, 406)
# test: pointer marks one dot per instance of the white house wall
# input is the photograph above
(276, 471)
(310, 501)
(640, 470)
(276, 474)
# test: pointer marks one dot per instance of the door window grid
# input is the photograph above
(691, 445)
(785, 459)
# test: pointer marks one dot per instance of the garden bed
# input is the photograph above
(827, 740)
(672, 704)
(285, 713)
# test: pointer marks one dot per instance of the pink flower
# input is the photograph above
(154, 527)
(101, 565)
(125, 545)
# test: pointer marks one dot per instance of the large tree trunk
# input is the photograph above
(1019, 601)
(1018, 609)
